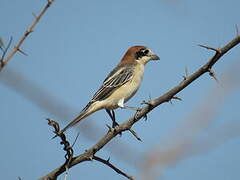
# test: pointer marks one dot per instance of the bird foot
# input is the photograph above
(114, 124)
(110, 129)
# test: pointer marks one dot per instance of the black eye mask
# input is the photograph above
(141, 53)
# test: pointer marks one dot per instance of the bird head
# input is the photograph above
(140, 54)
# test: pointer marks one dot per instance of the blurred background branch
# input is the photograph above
(29, 30)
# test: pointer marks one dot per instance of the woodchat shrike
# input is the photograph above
(120, 85)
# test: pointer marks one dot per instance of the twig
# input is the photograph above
(67, 147)
(2, 63)
(25, 35)
(22, 52)
(75, 139)
(1, 44)
(107, 162)
(142, 113)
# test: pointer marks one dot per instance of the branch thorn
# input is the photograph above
(21, 51)
(176, 97)
(34, 15)
(186, 74)
(212, 74)
(28, 32)
(237, 31)
(217, 50)
(135, 134)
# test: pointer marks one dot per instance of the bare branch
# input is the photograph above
(25, 35)
(107, 162)
(143, 111)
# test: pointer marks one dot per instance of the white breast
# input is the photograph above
(135, 83)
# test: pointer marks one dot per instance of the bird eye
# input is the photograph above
(146, 51)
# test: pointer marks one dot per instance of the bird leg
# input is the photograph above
(111, 113)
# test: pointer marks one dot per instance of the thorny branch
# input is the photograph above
(125, 126)
(25, 35)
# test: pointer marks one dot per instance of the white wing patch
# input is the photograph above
(120, 103)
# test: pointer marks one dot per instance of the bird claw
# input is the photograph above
(110, 129)
(114, 124)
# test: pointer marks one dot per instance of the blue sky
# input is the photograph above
(74, 47)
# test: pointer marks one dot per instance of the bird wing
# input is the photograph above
(119, 76)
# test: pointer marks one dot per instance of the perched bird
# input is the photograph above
(120, 85)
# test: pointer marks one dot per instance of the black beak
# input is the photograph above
(155, 57)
